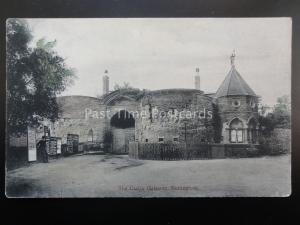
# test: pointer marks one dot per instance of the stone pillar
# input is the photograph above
(225, 134)
(245, 135)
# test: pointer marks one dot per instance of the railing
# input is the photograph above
(182, 151)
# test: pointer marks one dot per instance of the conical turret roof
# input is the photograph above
(234, 84)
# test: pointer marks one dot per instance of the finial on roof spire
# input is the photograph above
(232, 57)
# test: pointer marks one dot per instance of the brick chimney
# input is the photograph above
(105, 83)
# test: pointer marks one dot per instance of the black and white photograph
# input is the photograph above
(148, 107)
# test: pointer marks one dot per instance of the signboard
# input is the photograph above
(31, 143)
(72, 143)
(69, 144)
(58, 146)
(47, 145)
(52, 146)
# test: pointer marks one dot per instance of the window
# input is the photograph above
(236, 136)
(252, 132)
(236, 131)
(233, 136)
(146, 140)
(160, 139)
(236, 103)
(90, 135)
(239, 134)
(175, 139)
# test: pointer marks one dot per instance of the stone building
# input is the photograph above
(167, 125)
(169, 116)
(235, 100)
(238, 108)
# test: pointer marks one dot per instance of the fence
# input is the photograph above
(182, 151)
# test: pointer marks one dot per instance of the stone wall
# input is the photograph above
(79, 115)
(228, 111)
(244, 111)
(153, 126)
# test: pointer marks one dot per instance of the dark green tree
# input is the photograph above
(35, 76)
(280, 117)
(216, 123)
(282, 112)
(267, 124)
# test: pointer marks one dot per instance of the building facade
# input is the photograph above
(154, 116)
(169, 116)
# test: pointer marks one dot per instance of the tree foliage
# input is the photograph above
(280, 117)
(125, 86)
(216, 123)
(34, 78)
(282, 112)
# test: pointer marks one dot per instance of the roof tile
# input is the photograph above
(234, 84)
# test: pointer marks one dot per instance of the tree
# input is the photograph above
(18, 36)
(282, 112)
(216, 123)
(267, 124)
(34, 78)
(280, 117)
(125, 86)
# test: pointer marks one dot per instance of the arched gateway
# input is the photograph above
(122, 128)
(227, 119)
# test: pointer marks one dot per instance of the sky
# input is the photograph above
(160, 53)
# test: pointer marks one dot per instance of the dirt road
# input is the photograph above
(120, 176)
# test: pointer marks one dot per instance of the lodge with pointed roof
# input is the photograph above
(237, 105)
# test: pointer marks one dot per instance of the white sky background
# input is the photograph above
(163, 53)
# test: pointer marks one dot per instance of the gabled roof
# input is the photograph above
(234, 84)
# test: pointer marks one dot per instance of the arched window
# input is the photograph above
(90, 135)
(236, 131)
(252, 131)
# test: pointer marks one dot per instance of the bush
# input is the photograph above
(272, 145)
(16, 157)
